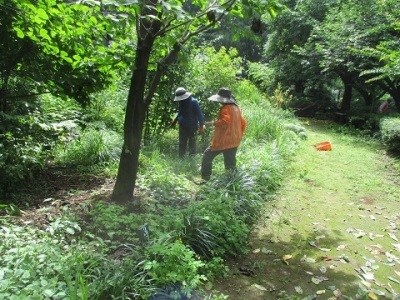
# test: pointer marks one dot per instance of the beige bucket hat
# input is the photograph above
(223, 96)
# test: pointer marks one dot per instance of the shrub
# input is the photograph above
(390, 132)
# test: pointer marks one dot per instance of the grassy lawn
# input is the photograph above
(332, 230)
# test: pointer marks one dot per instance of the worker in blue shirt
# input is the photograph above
(190, 119)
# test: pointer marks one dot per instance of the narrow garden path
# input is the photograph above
(332, 230)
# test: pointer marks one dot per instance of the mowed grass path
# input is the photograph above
(332, 228)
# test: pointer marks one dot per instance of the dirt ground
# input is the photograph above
(332, 230)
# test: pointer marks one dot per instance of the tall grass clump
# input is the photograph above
(90, 148)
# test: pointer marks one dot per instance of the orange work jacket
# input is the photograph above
(229, 128)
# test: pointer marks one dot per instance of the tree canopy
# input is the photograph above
(355, 42)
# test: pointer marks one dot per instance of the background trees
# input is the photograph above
(317, 49)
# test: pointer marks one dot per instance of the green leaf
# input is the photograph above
(43, 33)
(19, 32)
(41, 13)
(77, 57)
(48, 293)
(70, 230)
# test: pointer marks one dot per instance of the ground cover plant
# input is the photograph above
(132, 250)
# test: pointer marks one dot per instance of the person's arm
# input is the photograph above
(174, 121)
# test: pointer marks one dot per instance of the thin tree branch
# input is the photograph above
(173, 54)
(201, 14)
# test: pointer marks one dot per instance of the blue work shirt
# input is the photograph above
(190, 115)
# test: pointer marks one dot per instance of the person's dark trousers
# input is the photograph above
(208, 157)
(186, 136)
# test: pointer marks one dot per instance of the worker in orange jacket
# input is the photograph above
(229, 129)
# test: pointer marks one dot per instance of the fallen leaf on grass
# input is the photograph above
(318, 279)
(315, 280)
(298, 290)
(341, 247)
(359, 234)
(393, 236)
(396, 246)
(391, 257)
(322, 278)
(326, 258)
(372, 296)
(287, 257)
(393, 279)
(256, 250)
(344, 258)
(260, 287)
(308, 259)
(337, 293)
(312, 244)
(372, 217)
(266, 251)
(324, 249)
(309, 273)
(368, 276)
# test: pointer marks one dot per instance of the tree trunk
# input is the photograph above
(348, 91)
(133, 125)
(395, 93)
(147, 29)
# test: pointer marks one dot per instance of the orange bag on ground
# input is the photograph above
(324, 146)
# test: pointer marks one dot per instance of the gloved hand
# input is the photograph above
(201, 130)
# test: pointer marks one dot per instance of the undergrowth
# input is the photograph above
(179, 238)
